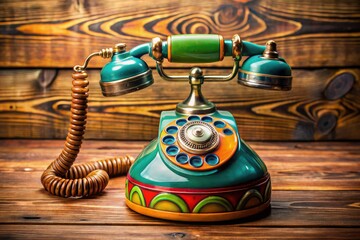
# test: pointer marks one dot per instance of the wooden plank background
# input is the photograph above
(33, 111)
(50, 33)
(42, 40)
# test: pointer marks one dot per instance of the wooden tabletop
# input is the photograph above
(316, 194)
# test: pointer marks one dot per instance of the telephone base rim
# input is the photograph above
(197, 217)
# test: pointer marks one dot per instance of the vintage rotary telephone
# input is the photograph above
(198, 169)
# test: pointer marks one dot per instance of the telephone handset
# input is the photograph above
(198, 169)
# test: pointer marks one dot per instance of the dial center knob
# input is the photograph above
(198, 133)
(198, 137)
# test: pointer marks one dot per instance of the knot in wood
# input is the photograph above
(339, 86)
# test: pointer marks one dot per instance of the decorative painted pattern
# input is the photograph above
(213, 204)
(169, 202)
(214, 200)
(136, 196)
(251, 198)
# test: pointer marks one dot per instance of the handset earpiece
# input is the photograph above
(124, 73)
(267, 71)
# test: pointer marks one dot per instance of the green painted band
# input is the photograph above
(171, 198)
(195, 48)
(137, 190)
(213, 200)
(247, 196)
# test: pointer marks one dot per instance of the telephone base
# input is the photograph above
(196, 217)
(160, 184)
(199, 205)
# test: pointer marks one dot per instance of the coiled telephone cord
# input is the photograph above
(63, 179)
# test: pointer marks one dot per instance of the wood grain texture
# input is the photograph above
(293, 166)
(323, 105)
(61, 33)
(288, 209)
(330, 210)
(171, 232)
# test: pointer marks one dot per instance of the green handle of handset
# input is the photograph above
(204, 48)
(198, 48)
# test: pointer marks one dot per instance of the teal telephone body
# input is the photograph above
(198, 168)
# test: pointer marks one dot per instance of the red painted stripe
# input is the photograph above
(252, 184)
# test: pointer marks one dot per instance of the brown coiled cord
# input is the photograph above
(63, 179)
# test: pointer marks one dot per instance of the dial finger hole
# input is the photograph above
(172, 150)
(219, 124)
(228, 132)
(168, 139)
(172, 129)
(194, 118)
(181, 122)
(196, 161)
(182, 158)
(211, 159)
(207, 119)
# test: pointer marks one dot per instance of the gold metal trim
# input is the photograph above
(264, 85)
(185, 108)
(197, 217)
(156, 49)
(270, 50)
(126, 79)
(264, 75)
(195, 103)
(120, 47)
(104, 53)
(215, 78)
(271, 82)
(127, 85)
(225, 78)
(169, 48)
(163, 75)
(222, 47)
(237, 46)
